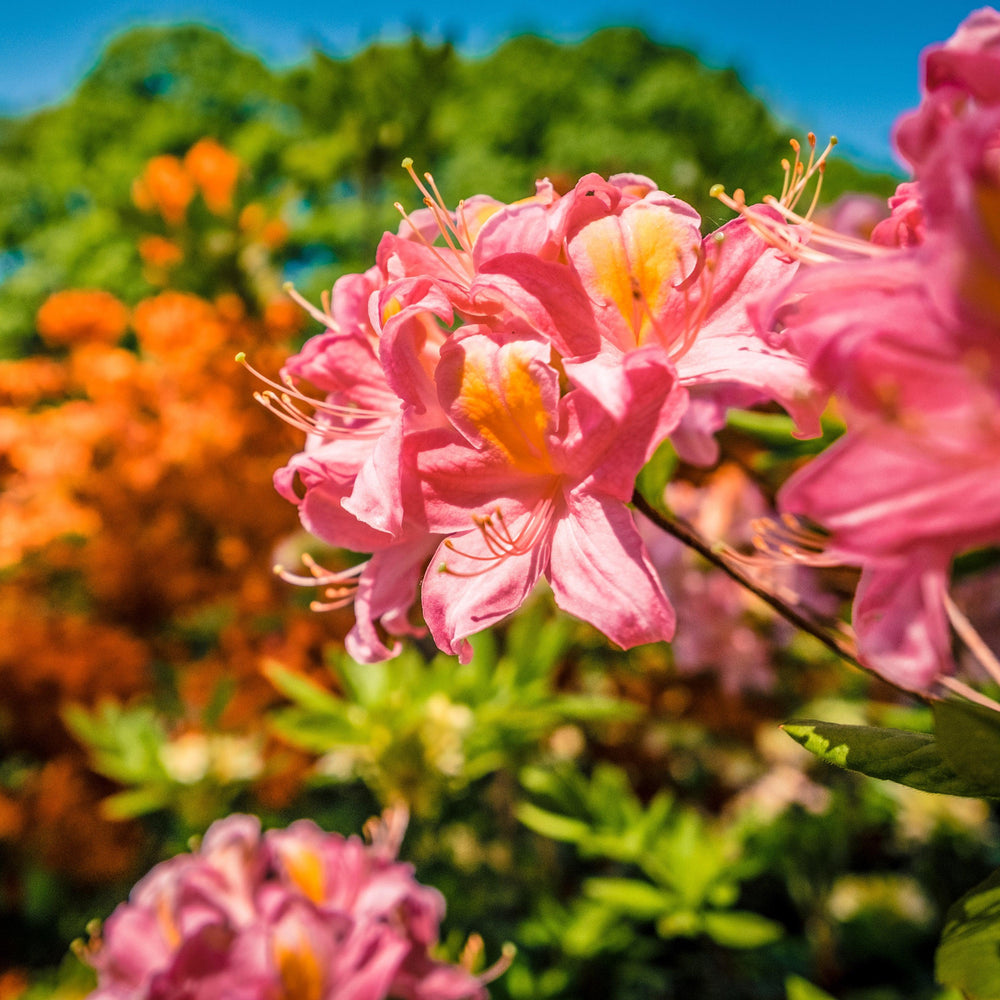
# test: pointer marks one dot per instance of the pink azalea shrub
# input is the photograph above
(491, 389)
(288, 913)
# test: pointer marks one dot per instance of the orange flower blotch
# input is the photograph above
(80, 316)
(215, 170)
(165, 187)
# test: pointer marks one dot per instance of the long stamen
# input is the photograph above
(324, 316)
(462, 275)
(500, 542)
(793, 235)
(460, 244)
(281, 399)
(792, 539)
(965, 629)
(338, 587)
(967, 692)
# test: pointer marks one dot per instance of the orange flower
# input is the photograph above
(28, 380)
(274, 234)
(173, 324)
(215, 170)
(79, 316)
(283, 317)
(166, 187)
(159, 252)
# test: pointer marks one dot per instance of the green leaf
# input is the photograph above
(304, 692)
(797, 988)
(969, 738)
(968, 957)
(740, 929)
(135, 802)
(907, 758)
(552, 825)
(639, 900)
(655, 474)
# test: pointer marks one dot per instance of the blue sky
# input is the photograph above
(847, 68)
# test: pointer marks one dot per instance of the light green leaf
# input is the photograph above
(968, 958)
(639, 900)
(912, 759)
(135, 802)
(304, 692)
(797, 988)
(741, 929)
(552, 825)
(656, 473)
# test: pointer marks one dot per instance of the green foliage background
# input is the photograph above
(324, 140)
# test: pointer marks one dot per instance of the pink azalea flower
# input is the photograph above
(290, 913)
(961, 78)
(517, 437)
(639, 278)
(529, 484)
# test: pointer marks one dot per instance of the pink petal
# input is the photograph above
(600, 572)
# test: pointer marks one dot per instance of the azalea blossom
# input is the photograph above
(489, 391)
(294, 913)
(526, 483)
(903, 331)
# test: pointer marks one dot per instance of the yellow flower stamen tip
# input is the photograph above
(288, 286)
(241, 358)
(716, 189)
(834, 140)
(407, 162)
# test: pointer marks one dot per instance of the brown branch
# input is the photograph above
(689, 536)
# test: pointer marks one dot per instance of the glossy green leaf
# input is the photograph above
(968, 957)
(969, 739)
(913, 759)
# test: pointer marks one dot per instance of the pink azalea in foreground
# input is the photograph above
(906, 334)
(493, 387)
(295, 913)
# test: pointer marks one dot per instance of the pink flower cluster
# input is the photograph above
(290, 913)
(493, 385)
(905, 331)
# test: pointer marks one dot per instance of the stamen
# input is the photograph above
(968, 634)
(472, 952)
(792, 238)
(281, 399)
(792, 539)
(339, 587)
(325, 316)
(462, 275)
(967, 692)
(500, 542)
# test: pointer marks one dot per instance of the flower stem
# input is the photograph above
(689, 536)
